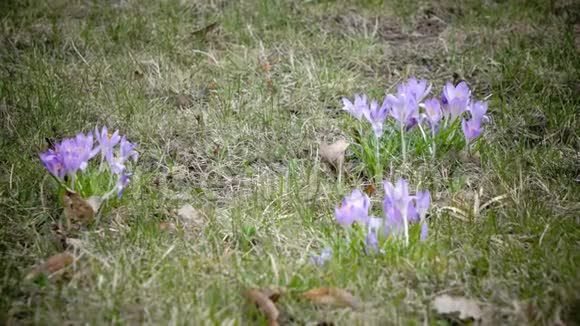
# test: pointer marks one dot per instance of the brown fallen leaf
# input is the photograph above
(465, 308)
(189, 216)
(331, 296)
(274, 293)
(370, 189)
(166, 226)
(334, 153)
(77, 209)
(51, 265)
(265, 304)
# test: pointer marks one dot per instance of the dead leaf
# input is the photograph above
(465, 308)
(370, 189)
(334, 153)
(265, 304)
(331, 296)
(190, 216)
(166, 226)
(77, 209)
(95, 202)
(274, 293)
(51, 265)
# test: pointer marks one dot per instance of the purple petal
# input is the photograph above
(371, 242)
(433, 110)
(122, 184)
(325, 256)
(412, 214)
(424, 231)
(471, 128)
(354, 208)
(423, 200)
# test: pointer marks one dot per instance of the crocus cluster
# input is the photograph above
(73, 155)
(400, 209)
(409, 106)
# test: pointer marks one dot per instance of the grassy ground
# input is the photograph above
(229, 120)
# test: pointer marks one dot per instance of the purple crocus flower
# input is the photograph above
(68, 150)
(53, 163)
(423, 200)
(117, 163)
(398, 194)
(404, 108)
(127, 149)
(106, 141)
(456, 107)
(85, 149)
(358, 108)
(122, 183)
(355, 207)
(471, 128)
(424, 231)
(455, 100)
(325, 256)
(394, 220)
(415, 89)
(376, 116)
(432, 112)
(478, 110)
(451, 92)
(412, 212)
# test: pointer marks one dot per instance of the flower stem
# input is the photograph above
(378, 165)
(404, 149)
(467, 144)
(406, 226)
(377, 154)
(433, 141)
(72, 181)
(101, 165)
(424, 136)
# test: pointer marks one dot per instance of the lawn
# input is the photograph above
(228, 103)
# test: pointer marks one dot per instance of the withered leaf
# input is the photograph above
(331, 296)
(77, 209)
(370, 189)
(51, 265)
(274, 293)
(334, 153)
(465, 308)
(166, 226)
(265, 304)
